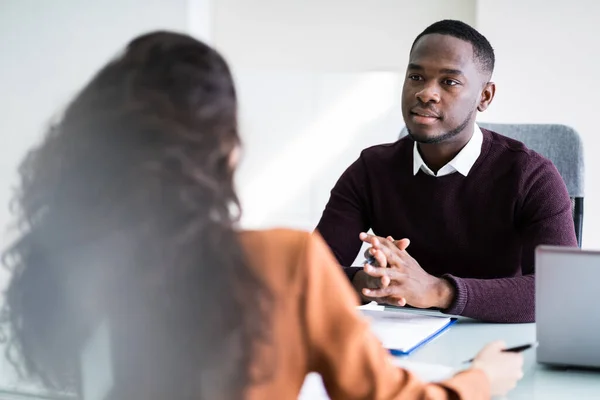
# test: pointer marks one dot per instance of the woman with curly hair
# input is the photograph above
(128, 219)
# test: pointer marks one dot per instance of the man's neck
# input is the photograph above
(436, 155)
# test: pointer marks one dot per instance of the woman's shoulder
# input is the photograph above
(281, 241)
(277, 253)
(276, 234)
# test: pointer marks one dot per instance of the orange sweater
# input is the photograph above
(316, 327)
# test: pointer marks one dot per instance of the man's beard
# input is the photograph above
(444, 136)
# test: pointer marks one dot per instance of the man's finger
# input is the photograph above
(374, 282)
(394, 257)
(402, 244)
(393, 252)
(385, 281)
(379, 257)
(382, 292)
(379, 242)
(375, 257)
(370, 258)
(394, 274)
(389, 294)
(370, 239)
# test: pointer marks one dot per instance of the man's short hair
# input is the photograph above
(482, 49)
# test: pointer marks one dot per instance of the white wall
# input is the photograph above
(331, 35)
(299, 141)
(547, 72)
(318, 81)
(49, 49)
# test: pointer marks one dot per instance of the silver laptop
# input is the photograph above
(567, 297)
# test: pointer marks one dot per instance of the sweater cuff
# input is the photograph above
(461, 295)
(351, 271)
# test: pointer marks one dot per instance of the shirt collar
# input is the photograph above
(462, 163)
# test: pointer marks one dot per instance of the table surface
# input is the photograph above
(464, 339)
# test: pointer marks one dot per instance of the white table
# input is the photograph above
(464, 339)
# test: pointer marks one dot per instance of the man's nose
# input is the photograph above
(429, 93)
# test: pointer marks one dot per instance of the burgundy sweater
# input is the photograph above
(479, 231)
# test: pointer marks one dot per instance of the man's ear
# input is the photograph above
(487, 95)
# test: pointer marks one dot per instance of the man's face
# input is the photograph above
(442, 89)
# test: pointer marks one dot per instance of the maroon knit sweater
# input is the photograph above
(479, 231)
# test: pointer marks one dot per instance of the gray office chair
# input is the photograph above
(559, 143)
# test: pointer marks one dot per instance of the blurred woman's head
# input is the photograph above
(127, 214)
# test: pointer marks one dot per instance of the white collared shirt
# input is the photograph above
(462, 163)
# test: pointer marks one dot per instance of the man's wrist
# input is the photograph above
(445, 293)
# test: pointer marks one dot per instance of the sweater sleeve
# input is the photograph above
(350, 359)
(543, 217)
(346, 215)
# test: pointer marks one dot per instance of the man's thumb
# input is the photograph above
(402, 244)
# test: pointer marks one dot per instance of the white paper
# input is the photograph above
(425, 371)
(372, 306)
(313, 388)
(403, 331)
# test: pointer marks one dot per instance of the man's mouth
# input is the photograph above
(426, 114)
(424, 117)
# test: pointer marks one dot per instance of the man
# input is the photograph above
(473, 204)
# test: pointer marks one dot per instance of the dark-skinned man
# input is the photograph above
(468, 205)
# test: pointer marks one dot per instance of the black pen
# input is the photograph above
(517, 349)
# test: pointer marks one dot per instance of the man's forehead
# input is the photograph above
(443, 52)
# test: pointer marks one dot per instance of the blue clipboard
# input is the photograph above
(396, 352)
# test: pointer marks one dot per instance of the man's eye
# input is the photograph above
(415, 77)
(450, 82)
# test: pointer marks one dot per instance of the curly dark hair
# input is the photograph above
(127, 214)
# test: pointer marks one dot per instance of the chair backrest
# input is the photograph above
(559, 143)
